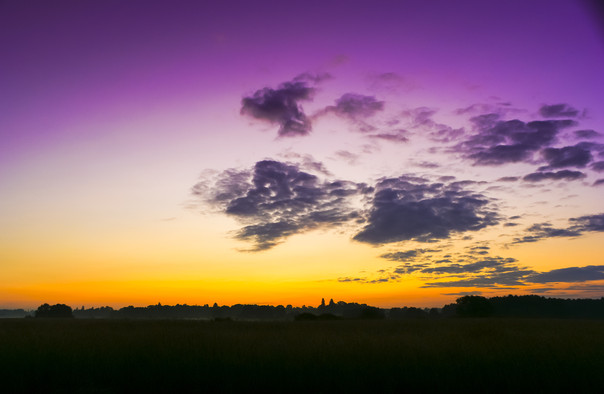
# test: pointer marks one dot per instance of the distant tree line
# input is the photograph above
(526, 306)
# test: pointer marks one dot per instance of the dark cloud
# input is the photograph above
(485, 121)
(540, 231)
(589, 222)
(490, 280)
(587, 134)
(421, 119)
(577, 226)
(447, 178)
(281, 106)
(558, 111)
(566, 175)
(408, 268)
(407, 255)
(491, 264)
(570, 274)
(568, 156)
(500, 142)
(599, 182)
(399, 136)
(508, 179)
(356, 106)
(463, 293)
(598, 166)
(408, 208)
(276, 200)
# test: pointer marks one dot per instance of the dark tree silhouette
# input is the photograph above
(54, 311)
(474, 306)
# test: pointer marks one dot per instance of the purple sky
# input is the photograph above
(110, 110)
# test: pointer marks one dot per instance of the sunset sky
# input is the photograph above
(383, 152)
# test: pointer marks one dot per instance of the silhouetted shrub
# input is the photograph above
(54, 311)
(305, 316)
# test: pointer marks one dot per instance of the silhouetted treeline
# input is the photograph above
(526, 306)
(236, 312)
(54, 311)
(4, 313)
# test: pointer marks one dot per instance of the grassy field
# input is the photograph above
(450, 355)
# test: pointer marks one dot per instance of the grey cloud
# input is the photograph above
(500, 142)
(408, 268)
(598, 182)
(558, 111)
(356, 106)
(541, 231)
(421, 118)
(570, 274)
(492, 264)
(495, 280)
(587, 134)
(463, 293)
(400, 136)
(508, 179)
(598, 166)
(589, 222)
(407, 255)
(408, 208)
(566, 175)
(275, 200)
(577, 226)
(568, 156)
(485, 121)
(281, 106)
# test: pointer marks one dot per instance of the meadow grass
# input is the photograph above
(448, 355)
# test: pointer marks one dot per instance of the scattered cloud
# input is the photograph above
(355, 106)
(587, 134)
(420, 119)
(399, 136)
(275, 200)
(566, 175)
(347, 156)
(498, 142)
(464, 293)
(408, 255)
(281, 106)
(568, 156)
(508, 179)
(598, 166)
(570, 274)
(577, 226)
(558, 111)
(408, 208)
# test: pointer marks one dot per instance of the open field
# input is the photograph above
(194, 356)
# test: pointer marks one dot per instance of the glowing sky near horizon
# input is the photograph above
(392, 153)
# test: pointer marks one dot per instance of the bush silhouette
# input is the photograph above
(53, 311)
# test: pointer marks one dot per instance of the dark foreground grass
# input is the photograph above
(455, 355)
